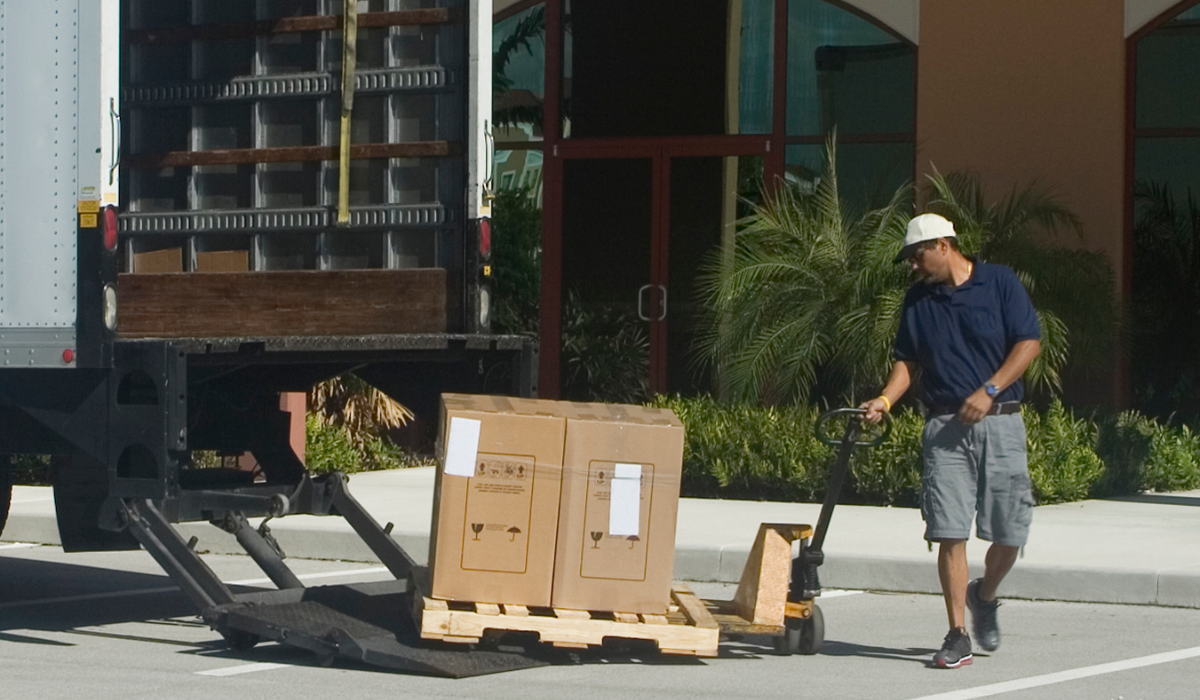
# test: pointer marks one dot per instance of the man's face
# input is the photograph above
(932, 264)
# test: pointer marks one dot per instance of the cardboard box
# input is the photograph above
(496, 500)
(165, 260)
(620, 498)
(223, 261)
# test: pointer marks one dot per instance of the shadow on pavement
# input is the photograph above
(1162, 499)
(918, 655)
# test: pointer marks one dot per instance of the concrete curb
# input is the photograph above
(1124, 551)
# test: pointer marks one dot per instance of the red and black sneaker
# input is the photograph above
(955, 651)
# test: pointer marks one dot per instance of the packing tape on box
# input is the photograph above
(603, 473)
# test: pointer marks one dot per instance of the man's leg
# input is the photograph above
(952, 570)
(998, 562)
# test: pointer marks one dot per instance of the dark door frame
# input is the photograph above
(660, 152)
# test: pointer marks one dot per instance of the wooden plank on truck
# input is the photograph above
(282, 303)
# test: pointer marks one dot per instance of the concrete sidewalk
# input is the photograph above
(1141, 550)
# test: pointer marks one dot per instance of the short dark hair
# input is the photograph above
(952, 241)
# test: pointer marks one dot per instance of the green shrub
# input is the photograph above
(743, 451)
(327, 448)
(1123, 444)
(1063, 463)
(330, 448)
(1174, 461)
(739, 451)
(890, 474)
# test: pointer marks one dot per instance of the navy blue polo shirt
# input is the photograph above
(959, 336)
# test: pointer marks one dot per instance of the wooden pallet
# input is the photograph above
(686, 629)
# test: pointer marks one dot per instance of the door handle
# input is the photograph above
(641, 309)
(663, 288)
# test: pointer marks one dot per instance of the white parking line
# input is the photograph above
(241, 668)
(838, 593)
(986, 691)
(18, 545)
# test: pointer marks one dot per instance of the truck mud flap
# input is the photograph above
(367, 622)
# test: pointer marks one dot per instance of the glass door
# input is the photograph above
(637, 235)
(608, 295)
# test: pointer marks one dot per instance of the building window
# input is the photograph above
(844, 73)
(1165, 371)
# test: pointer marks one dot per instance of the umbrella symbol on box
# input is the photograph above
(633, 539)
(513, 532)
(596, 535)
(477, 528)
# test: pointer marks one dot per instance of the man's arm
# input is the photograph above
(979, 403)
(897, 383)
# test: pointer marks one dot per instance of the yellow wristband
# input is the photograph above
(886, 403)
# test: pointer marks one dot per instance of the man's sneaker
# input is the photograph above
(955, 651)
(983, 615)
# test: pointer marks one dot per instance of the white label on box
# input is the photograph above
(625, 504)
(462, 446)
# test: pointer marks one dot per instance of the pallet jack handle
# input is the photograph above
(805, 583)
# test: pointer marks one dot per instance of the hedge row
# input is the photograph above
(740, 451)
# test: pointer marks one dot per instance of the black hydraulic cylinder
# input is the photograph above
(268, 558)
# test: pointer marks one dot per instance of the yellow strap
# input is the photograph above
(886, 403)
(349, 51)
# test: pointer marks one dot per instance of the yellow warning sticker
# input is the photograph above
(87, 221)
(88, 206)
(487, 270)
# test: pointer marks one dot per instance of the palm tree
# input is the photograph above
(364, 412)
(1073, 290)
(807, 303)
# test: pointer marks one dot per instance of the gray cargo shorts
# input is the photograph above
(976, 471)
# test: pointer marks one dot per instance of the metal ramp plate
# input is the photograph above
(364, 622)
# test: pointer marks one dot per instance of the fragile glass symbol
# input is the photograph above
(477, 528)
(596, 539)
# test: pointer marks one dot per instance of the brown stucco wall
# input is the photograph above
(1023, 89)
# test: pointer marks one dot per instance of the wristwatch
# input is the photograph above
(991, 389)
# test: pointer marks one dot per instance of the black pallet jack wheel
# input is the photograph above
(812, 632)
(802, 636)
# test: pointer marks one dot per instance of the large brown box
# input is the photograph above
(631, 570)
(493, 532)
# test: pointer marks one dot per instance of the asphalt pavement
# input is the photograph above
(1136, 550)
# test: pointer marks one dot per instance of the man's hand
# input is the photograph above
(875, 408)
(975, 407)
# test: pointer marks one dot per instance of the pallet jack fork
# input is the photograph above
(777, 593)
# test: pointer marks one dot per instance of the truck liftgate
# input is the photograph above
(125, 477)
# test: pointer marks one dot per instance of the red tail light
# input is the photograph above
(110, 228)
(485, 237)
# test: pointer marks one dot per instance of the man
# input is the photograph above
(971, 330)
